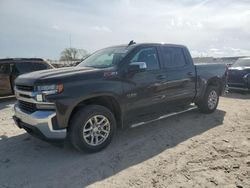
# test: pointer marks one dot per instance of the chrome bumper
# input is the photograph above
(39, 120)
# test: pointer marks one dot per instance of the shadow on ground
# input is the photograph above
(28, 162)
(237, 95)
(7, 102)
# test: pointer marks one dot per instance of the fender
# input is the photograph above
(66, 103)
(205, 83)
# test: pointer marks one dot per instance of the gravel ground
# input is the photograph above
(189, 150)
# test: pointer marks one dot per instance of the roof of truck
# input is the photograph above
(150, 44)
(6, 60)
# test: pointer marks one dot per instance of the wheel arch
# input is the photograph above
(107, 100)
(216, 82)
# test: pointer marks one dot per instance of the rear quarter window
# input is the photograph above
(39, 66)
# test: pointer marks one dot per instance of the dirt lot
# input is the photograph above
(189, 150)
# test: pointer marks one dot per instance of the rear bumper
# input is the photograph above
(38, 124)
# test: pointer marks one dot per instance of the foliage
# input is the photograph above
(73, 54)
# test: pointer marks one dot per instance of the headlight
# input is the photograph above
(48, 90)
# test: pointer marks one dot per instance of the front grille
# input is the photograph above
(24, 88)
(27, 106)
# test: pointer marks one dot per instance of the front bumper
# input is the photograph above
(38, 123)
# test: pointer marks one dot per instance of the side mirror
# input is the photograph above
(137, 67)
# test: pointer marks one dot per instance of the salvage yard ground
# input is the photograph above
(189, 150)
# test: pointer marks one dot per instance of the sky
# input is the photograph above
(31, 28)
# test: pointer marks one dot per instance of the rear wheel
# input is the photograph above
(92, 128)
(210, 100)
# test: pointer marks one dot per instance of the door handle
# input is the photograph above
(161, 77)
(190, 74)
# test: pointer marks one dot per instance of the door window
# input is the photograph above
(149, 56)
(173, 57)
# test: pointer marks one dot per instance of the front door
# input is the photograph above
(143, 90)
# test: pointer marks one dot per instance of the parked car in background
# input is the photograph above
(121, 86)
(12, 67)
(239, 75)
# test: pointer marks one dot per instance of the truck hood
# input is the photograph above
(52, 75)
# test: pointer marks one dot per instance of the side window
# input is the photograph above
(173, 57)
(149, 56)
(23, 67)
(38, 66)
(4, 68)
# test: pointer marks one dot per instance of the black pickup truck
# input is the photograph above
(116, 87)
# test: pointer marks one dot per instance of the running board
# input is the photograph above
(163, 117)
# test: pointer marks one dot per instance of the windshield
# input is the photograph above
(105, 58)
(242, 63)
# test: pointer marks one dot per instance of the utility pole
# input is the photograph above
(70, 40)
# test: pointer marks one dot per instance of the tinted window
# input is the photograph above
(149, 56)
(4, 68)
(22, 68)
(104, 58)
(38, 66)
(25, 67)
(173, 57)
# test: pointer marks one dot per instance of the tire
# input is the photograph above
(92, 128)
(210, 100)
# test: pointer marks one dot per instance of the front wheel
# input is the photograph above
(210, 100)
(92, 128)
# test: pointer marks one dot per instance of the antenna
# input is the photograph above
(131, 42)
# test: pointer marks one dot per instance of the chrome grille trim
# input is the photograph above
(20, 96)
(25, 87)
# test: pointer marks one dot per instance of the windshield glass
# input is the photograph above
(242, 63)
(105, 58)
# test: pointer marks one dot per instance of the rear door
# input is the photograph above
(181, 76)
(5, 84)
